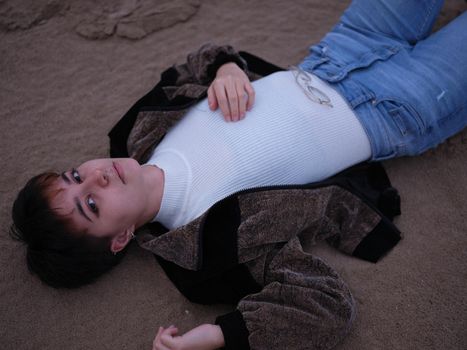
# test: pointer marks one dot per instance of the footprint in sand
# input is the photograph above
(132, 19)
(25, 14)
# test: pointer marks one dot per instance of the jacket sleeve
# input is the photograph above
(332, 213)
(201, 66)
(304, 305)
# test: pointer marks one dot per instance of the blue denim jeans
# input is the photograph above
(408, 88)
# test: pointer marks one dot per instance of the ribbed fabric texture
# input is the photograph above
(285, 139)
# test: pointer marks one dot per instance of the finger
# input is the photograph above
(212, 100)
(161, 343)
(222, 101)
(158, 334)
(233, 100)
(251, 95)
(242, 100)
(169, 341)
(172, 330)
(157, 339)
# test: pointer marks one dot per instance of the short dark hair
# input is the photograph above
(61, 256)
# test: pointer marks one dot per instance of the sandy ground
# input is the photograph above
(70, 69)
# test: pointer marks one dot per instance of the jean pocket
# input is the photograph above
(342, 63)
(402, 116)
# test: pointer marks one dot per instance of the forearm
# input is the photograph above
(204, 337)
(216, 335)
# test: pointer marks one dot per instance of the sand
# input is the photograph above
(70, 69)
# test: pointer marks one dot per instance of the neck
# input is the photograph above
(153, 178)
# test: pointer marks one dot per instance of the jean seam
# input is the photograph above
(446, 118)
(413, 111)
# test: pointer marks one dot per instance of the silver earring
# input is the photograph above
(132, 235)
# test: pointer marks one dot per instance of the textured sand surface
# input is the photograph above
(70, 69)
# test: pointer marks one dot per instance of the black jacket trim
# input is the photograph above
(218, 236)
(370, 182)
(227, 286)
(389, 202)
(378, 242)
(258, 65)
(234, 330)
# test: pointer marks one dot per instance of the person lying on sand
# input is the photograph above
(223, 189)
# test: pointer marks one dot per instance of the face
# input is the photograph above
(102, 197)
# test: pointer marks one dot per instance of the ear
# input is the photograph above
(120, 240)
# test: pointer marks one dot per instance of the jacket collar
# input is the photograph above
(181, 245)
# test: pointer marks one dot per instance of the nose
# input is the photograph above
(98, 177)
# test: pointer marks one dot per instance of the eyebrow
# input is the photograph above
(65, 178)
(77, 202)
(80, 209)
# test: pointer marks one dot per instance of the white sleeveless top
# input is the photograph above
(285, 139)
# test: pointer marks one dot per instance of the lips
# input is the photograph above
(119, 171)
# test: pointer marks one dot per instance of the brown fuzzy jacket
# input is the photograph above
(247, 248)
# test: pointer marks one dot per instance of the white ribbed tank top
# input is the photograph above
(285, 139)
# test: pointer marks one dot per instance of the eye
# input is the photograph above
(75, 175)
(92, 205)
